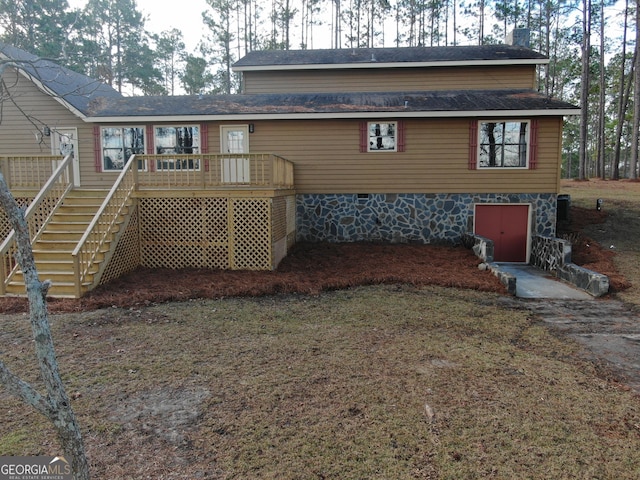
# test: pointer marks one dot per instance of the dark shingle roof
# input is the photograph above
(71, 87)
(303, 104)
(372, 56)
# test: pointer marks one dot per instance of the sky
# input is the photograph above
(160, 16)
(188, 18)
(163, 16)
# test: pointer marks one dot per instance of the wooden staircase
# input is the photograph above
(53, 249)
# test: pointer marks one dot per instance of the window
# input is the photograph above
(118, 144)
(184, 140)
(382, 137)
(503, 144)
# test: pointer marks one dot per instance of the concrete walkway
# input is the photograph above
(534, 283)
(608, 330)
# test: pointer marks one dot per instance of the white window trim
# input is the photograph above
(102, 146)
(507, 120)
(395, 137)
(175, 160)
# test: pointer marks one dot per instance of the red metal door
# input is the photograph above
(507, 226)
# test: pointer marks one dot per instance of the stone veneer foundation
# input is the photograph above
(407, 218)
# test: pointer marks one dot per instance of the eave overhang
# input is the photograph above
(391, 65)
(389, 58)
(48, 91)
(72, 90)
(307, 106)
(248, 117)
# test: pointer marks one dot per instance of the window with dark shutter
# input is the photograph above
(117, 144)
(502, 144)
(382, 136)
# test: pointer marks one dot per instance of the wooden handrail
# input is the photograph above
(214, 170)
(60, 182)
(28, 171)
(103, 224)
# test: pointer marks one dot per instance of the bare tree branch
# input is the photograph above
(23, 390)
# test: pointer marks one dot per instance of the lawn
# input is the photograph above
(388, 382)
(395, 380)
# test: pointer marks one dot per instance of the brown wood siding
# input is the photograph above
(393, 79)
(22, 121)
(22, 125)
(89, 177)
(435, 160)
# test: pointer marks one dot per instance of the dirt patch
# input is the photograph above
(608, 330)
(165, 411)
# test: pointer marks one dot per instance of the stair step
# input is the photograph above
(93, 203)
(55, 277)
(63, 265)
(79, 218)
(53, 249)
(56, 226)
(85, 197)
(56, 245)
(46, 255)
(62, 236)
(58, 290)
(64, 211)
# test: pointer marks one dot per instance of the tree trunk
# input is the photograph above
(55, 405)
(623, 92)
(633, 165)
(584, 89)
(600, 167)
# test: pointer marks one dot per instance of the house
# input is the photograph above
(391, 144)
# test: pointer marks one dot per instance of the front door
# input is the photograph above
(508, 227)
(234, 139)
(64, 142)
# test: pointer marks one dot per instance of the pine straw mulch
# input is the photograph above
(588, 253)
(313, 268)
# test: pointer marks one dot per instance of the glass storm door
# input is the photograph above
(64, 141)
(235, 140)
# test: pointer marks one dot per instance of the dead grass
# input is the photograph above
(305, 374)
(372, 382)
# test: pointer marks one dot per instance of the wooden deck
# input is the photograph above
(182, 211)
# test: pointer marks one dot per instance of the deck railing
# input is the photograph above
(29, 172)
(103, 226)
(159, 172)
(37, 214)
(213, 170)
